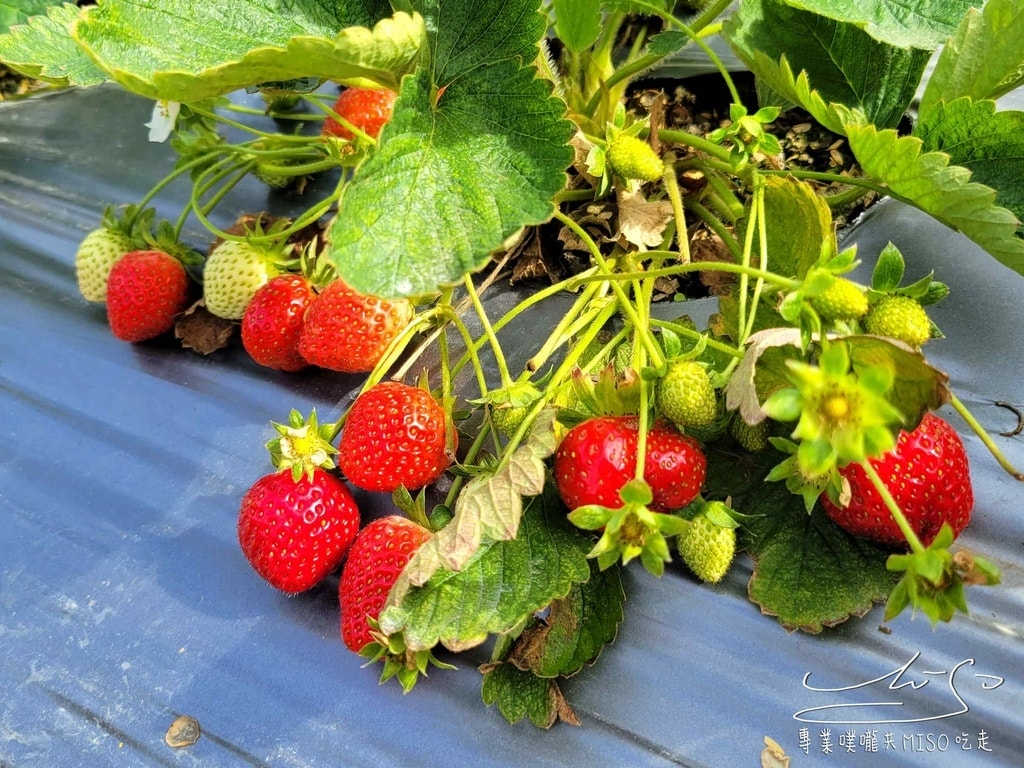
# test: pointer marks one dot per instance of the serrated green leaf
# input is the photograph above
(928, 181)
(503, 583)
(44, 49)
(518, 694)
(576, 628)
(841, 60)
(984, 58)
(217, 47)
(798, 223)
(808, 572)
(453, 178)
(917, 387)
(923, 24)
(990, 143)
(18, 11)
(577, 23)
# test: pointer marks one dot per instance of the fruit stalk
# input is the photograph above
(894, 508)
(980, 431)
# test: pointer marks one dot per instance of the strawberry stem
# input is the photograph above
(625, 304)
(980, 431)
(894, 509)
(492, 337)
(678, 212)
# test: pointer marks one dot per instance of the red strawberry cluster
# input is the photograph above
(297, 528)
(288, 326)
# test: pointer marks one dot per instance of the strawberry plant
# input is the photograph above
(796, 427)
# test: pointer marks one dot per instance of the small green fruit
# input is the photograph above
(843, 300)
(751, 437)
(686, 396)
(901, 318)
(632, 158)
(707, 549)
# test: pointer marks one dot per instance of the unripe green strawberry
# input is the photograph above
(707, 548)
(751, 437)
(686, 396)
(901, 318)
(507, 418)
(95, 256)
(632, 158)
(234, 271)
(843, 300)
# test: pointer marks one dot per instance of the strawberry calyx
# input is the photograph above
(934, 578)
(302, 445)
(400, 661)
(630, 531)
(841, 415)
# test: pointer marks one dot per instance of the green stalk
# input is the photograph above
(762, 236)
(894, 509)
(564, 329)
(624, 303)
(695, 266)
(980, 431)
(492, 338)
(701, 21)
(716, 226)
(833, 178)
(682, 330)
(678, 213)
(699, 143)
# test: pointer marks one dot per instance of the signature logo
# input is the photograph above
(902, 687)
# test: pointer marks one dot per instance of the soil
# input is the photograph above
(13, 84)
(697, 105)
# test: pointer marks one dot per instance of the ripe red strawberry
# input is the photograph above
(395, 435)
(378, 555)
(273, 322)
(598, 457)
(294, 533)
(368, 109)
(347, 331)
(928, 475)
(146, 290)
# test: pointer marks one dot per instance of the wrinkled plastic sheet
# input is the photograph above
(125, 601)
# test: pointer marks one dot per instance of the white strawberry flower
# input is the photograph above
(161, 124)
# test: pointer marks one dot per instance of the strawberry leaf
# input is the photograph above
(917, 387)
(799, 225)
(983, 59)
(752, 383)
(990, 143)
(928, 181)
(489, 508)
(503, 584)
(44, 49)
(808, 572)
(841, 59)
(457, 172)
(923, 25)
(518, 694)
(220, 46)
(576, 628)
